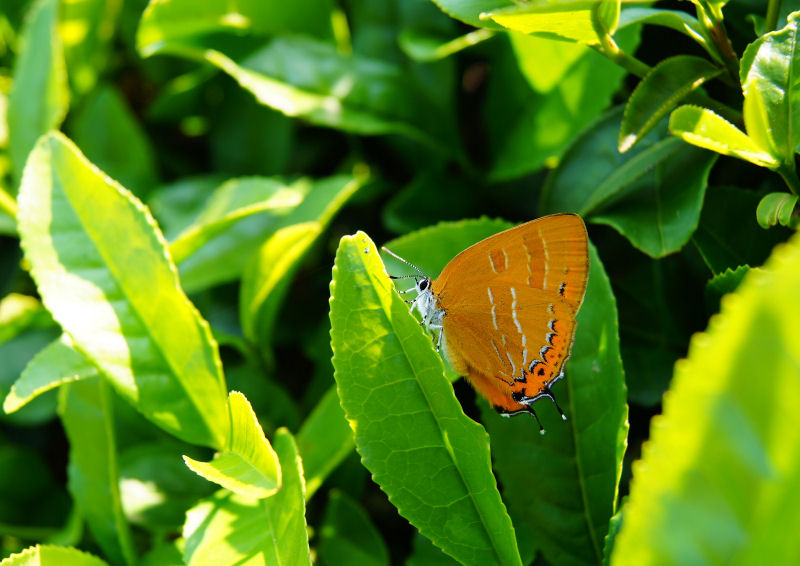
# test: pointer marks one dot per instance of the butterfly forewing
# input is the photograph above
(509, 326)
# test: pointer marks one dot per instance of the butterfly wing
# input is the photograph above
(513, 345)
(510, 303)
(549, 253)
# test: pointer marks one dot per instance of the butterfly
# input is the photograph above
(504, 309)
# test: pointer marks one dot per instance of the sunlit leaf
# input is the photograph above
(431, 460)
(249, 465)
(771, 91)
(725, 489)
(57, 364)
(96, 255)
(577, 20)
(47, 555)
(229, 529)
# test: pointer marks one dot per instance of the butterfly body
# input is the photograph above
(504, 309)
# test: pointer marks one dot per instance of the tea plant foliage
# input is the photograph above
(203, 359)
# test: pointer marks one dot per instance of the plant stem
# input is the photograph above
(715, 29)
(773, 11)
(789, 174)
(609, 48)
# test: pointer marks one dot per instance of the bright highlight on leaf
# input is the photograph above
(718, 479)
(48, 555)
(248, 466)
(704, 128)
(57, 364)
(430, 459)
(229, 529)
(101, 267)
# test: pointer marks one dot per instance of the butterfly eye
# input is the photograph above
(423, 284)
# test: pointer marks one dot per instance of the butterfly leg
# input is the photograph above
(440, 328)
(527, 410)
(549, 394)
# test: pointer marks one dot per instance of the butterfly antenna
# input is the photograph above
(394, 255)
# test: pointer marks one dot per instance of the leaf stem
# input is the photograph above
(712, 22)
(788, 172)
(773, 11)
(609, 48)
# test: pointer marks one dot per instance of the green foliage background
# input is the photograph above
(203, 361)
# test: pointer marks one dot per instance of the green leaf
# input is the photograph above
(771, 88)
(96, 256)
(427, 48)
(177, 205)
(40, 94)
(87, 414)
(431, 460)
(659, 92)
(87, 29)
(249, 466)
(324, 441)
(19, 313)
(156, 487)
(776, 208)
(268, 275)
(172, 22)
(572, 85)
(16, 354)
(613, 529)
(652, 194)
(724, 489)
(348, 536)
(425, 554)
(723, 247)
(110, 136)
(472, 11)
(704, 128)
(724, 283)
(47, 555)
(577, 20)
(55, 365)
(573, 471)
(229, 529)
(681, 22)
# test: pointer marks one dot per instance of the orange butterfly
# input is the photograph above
(505, 309)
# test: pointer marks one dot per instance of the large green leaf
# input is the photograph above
(771, 85)
(87, 414)
(348, 536)
(431, 460)
(40, 94)
(659, 92)
(324, 440)
(652, 194)
(229, 529)
(561, 488)
(101, 267)
(718, 480)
